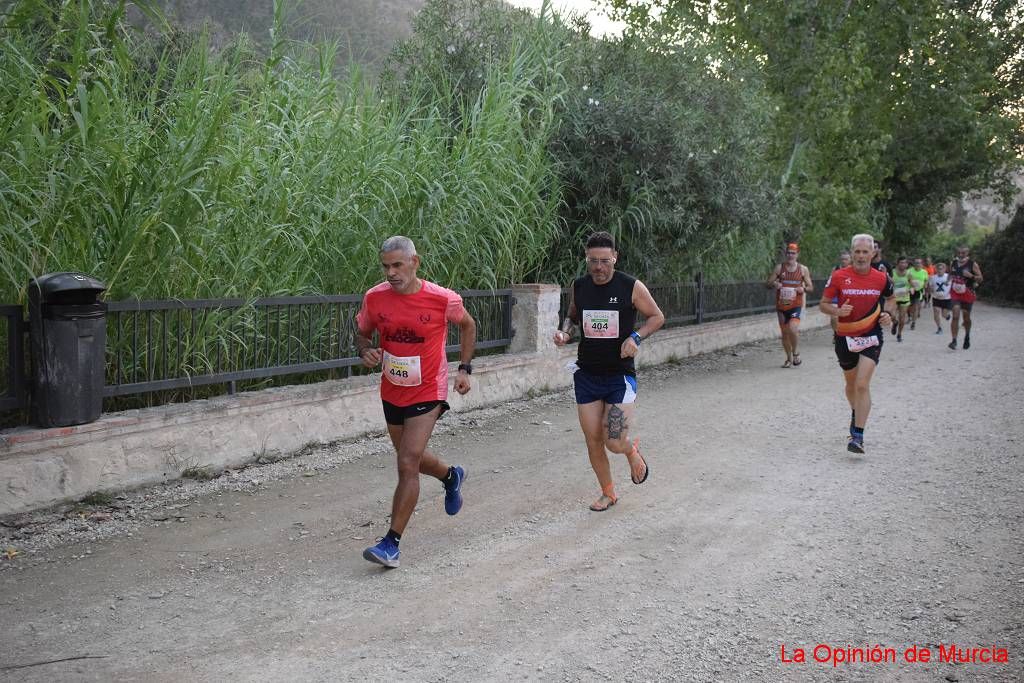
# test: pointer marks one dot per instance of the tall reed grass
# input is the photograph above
(169, 171)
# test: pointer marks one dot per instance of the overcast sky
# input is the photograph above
(601, 24)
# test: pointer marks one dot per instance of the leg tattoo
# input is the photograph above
(616, 422)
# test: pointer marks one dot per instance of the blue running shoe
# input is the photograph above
(855, 445)
(453, 492)
(385, 553)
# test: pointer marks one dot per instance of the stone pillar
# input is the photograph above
(534, 317)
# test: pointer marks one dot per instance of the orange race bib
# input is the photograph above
(403, 371)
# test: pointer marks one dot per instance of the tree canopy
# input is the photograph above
(886, 109)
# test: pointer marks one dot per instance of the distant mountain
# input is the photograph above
(366, 30)
(982, 210)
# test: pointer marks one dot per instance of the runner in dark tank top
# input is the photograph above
(607, 318)
(604, 305)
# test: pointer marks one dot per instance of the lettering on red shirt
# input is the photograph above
(865, 292)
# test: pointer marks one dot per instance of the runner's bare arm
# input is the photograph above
(888, 311)
(648, 307)
(977, 273)
(808, 282)
(773, 279)
(467, 344)
(563, 335)
(644, 303)
(365, 349)
(467, 338)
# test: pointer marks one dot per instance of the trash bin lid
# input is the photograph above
(56, 283)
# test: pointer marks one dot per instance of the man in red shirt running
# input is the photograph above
(411, 319)
(868, 299)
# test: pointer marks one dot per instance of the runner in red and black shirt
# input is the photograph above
(964, 278)
(864, 301)
(411, 317)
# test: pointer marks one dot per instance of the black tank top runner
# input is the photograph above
(957, 271)
(606, 317)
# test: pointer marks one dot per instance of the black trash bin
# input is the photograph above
(68, 329)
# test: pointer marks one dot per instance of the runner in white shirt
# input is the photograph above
(938, 286)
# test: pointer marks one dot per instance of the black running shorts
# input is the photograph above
(848, 359)
(397, 415)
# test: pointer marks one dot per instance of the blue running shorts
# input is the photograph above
(589, 387)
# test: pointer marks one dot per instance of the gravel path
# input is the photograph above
(757, 530)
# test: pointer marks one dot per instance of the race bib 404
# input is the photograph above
(601, 324)
(858, 344)
(403, 370)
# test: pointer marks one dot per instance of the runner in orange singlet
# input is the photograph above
(867, 302)
(790, 281)
(411, 318)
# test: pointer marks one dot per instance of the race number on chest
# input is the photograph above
(404, 371)
(601, 324)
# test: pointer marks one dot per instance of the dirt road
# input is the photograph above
(757, 530)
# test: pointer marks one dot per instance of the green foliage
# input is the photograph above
(1000, 256)
(956, 114)
(97, 498)
(942, 245)
(667, 157)
(651, 146)
(496, 139)
(887, 110)
(199, 473)
(170, 170)
(364, 30)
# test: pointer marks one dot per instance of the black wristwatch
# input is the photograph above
(466, 367)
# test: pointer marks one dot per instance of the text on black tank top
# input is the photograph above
(606, 316)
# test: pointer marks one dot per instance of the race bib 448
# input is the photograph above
(403, 370)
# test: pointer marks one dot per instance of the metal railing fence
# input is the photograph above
(172, 345)
(157, 346)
